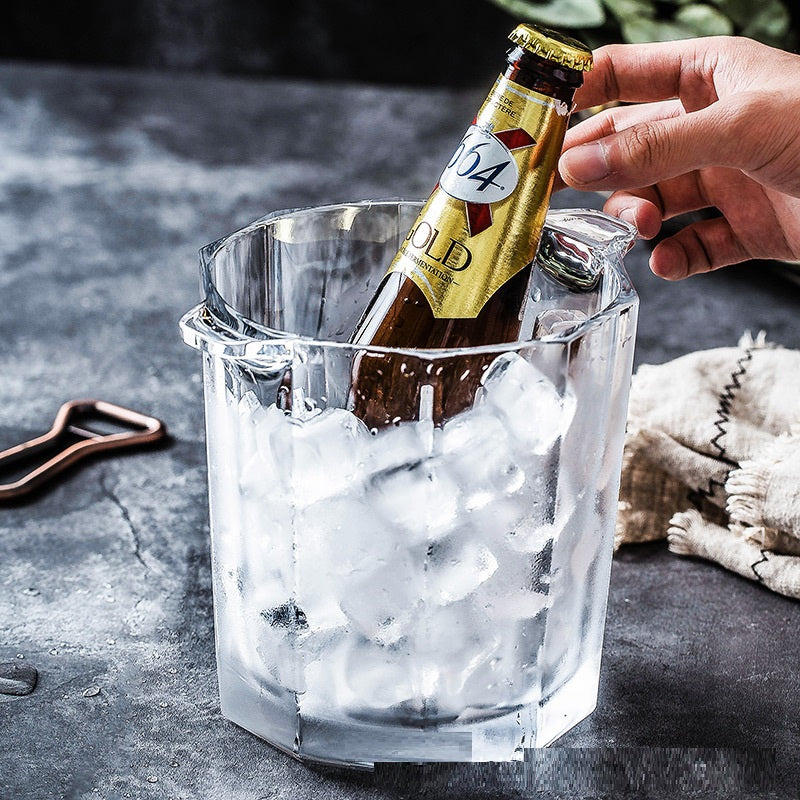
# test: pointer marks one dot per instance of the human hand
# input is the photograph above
(714, 123)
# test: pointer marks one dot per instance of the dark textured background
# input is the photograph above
(411, 42)
(419, 42)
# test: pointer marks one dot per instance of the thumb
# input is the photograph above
(722, 134)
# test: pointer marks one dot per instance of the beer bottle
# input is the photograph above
(460, 278)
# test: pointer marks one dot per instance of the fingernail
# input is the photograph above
(585, 163)
(628, 215)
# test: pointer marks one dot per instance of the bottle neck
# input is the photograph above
(541, 75)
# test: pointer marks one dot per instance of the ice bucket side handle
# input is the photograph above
(202, 331)
(594, 229)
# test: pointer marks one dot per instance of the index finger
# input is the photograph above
(642, 72)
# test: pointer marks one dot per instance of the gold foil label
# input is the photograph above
(483, 222)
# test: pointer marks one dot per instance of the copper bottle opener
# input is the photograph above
(70, 424)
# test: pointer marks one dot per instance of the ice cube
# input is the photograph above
(505, 602)
(456, 568)
(397, 446)
(256, 424)
(492, 518)
(361, 676)
(281, 656)
(337, 541)
(269, 601)
(316, 643)
(421, 501)
(531, 535)
(449, 643)
(556, 321)
(249, 405)
(516, 601)
(263, 440)
(251, 416)
(326, 451)
(517, 613)
(342, 534)
(531, 408)
(278, 623)
(263, 630)
(265, 520)
(476, 445)
(381, 677)
(262, 480)
(383, 604)
(510, 675)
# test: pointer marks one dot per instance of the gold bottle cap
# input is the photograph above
(553, 46)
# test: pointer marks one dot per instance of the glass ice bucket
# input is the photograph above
(434, 590)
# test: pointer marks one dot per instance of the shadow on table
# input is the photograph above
(621, 772)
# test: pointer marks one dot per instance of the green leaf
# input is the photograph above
(703, 20)
(597, 37)
(625, 10)
(653, 30)
(739, 11)
(744, 12)
(557, 13)
(770, 23)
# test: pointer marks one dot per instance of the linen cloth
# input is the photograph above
(712, 460)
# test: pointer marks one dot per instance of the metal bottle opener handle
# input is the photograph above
(70, 423)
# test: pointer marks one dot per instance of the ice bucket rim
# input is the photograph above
(221, 330)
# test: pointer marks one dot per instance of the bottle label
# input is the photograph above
(482, 223)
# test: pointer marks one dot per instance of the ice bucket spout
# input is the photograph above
(434, 590)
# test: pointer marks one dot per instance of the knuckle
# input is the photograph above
(700, 251)
(748, 109)
(604, 59)
(641, 143)
(750, 123)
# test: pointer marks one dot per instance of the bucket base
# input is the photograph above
(315, 738)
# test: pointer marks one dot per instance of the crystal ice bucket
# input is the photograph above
(423, 592)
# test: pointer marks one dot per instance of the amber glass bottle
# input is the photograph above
(460, 278)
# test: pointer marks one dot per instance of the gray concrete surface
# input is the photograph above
(109, 183)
